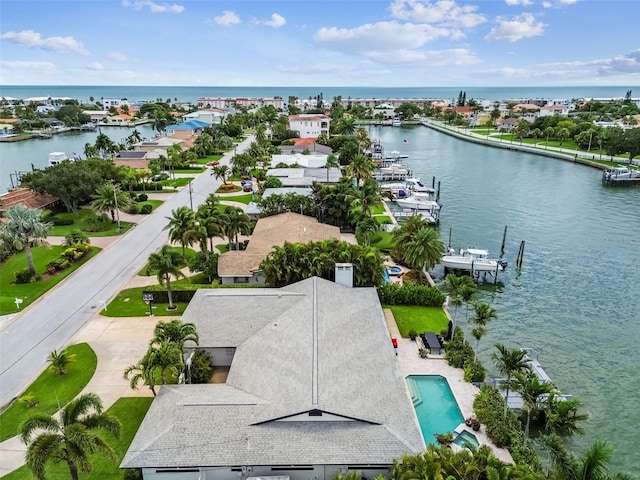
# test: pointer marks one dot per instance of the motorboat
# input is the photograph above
(396, 122)
(618, 173)
(395, 155)
(415, 185)
(419, 201)
(57, 157)
(473, 260)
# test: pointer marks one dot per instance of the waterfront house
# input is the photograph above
(242, 267)
(313, 389)
(552, 110)
(507, 124)
(212, 116)
(301, 145)
(309, 125)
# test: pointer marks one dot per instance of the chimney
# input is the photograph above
(344, 274)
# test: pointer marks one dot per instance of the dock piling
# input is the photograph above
(520, 255)
(504, 239)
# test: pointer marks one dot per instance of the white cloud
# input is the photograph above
(276, 21)
(117, 57)
(227, 18)
(519, 2)
(444, 12)
(22, 65)
(521, 26)
(627, 63)
(153, 6)
(31, 39)
(95, 66)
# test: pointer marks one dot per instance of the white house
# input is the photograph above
(313, 389)
(552, 110)
(107, 103)
(210, 117)
(309, 125)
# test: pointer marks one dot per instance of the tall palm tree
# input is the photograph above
(167, 263)
(332, 162)
(563, 417)
(458, 288)
(235, 222)
(592, 465)
(110, 198)
(175, 331)
(24, 228)
(508, 363)
(366, 197)
(466, 293)
(531, 389)
(71, 439)
(180, 222)
(361, 167)
(346, 126)
(483, 313)
(142, 372)
(165, 358)
(221, 172)
(424, 249)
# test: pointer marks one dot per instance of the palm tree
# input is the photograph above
(23, 229)
(60, 361)
(141, 373)
(508, 363)
(235, 222)
(110, 198)
(76, 237)
(563, 416)
(181, 221)
(332, 162)
(220, 172)
(346, 126)
(466, 293)
(457, 288)
(163, 359)
(175, 331)
(72, 438)
(361, 167)
(424, 249)
(167, 263)
(530, 388)
(483, 314)
(366, 197)
(592, 465)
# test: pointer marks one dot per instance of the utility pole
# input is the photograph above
(190, 197)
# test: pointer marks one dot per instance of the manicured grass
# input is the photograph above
(177, 182)
(188, 253)
(223, 247)
(420, 319)
(128, 303)
(51, 390)
(80, 223)
(29, 292)
(246, 199)
(383, 219)
(130, 411)
(222, 191)
(188, 171)
(383, 241)
(377, 209)
(154, 203)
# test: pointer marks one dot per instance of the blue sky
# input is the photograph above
(315, 43)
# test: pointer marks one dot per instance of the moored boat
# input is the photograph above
(620, 173)
(473, 260)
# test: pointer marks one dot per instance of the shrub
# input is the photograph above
(29, 399)
(58, 221)
(146, 209)
(458, 351)
(132, 209)
(143, 197)
(201, 367)
(25, 276)
(412, 334)
(474, 371)
(393, 294)
(180, 293)
(133, 474)
(97, 224)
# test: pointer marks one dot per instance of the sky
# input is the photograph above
(393, 43)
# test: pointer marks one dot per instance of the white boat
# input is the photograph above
(473, 260)
(395, 155)
(618, 173)
(419, 201)
(57, 157)
(396, 122)
(415, 185)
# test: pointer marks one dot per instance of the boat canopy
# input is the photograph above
(478, 252)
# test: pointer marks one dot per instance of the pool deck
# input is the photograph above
(410, 363)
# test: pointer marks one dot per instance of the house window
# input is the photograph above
(240, 279)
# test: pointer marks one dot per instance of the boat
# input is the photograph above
(394, 156)
(424, 200)
(415, 185)
(473, 260)
(620, 173)
(396, 122)
(57, 157)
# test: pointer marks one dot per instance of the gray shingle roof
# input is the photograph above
(314, 345)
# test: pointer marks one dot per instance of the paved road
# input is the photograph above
(28, 338)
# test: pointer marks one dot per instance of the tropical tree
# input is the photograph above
(466, 293)
(508, 363)
(167, 263)
(234, 223)
(141, 372)
(76, 237)
(71, 439)
(592, 465)
(483, 314)
(360, 168)
(110, 198)
(424, 249)
(175, 331)
(332, 162)
(532, 390)
(60, 361)
(165, 358)
(221, 172)
(346, 126)
(181, 221)
(563, 417)
(366, 197)
(23, 229)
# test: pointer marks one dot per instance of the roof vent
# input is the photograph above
(344, 274)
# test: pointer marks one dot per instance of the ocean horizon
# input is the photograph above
(183, 94)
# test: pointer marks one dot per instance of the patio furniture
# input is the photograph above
(432, 343)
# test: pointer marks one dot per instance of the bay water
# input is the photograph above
(576, 299)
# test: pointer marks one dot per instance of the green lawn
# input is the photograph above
(188, 171)
(420, 319)
(383, 241)
(378, 209)
(177, 182)
(383, 219)
(239, 198)
(128, 303)
(210, 158)
(189, 253)
(51, 390)
(223, 247)
(130, 411)
(29, 292)
(154, 203)
(80, 222)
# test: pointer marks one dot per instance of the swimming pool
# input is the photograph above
(435, 405)
(466, 437)
(394, 270)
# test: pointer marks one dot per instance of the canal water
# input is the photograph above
(576, 299)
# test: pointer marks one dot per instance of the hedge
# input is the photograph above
(393, 294)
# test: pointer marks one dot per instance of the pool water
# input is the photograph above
(394, 270)
(435, 405)
(466, 437)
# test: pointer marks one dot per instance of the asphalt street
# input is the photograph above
(48, 324)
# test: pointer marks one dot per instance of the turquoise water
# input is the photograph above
(466, 437)
(576, 299)
(435, 405)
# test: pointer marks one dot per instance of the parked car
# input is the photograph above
(213, 164)
(246, 182)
